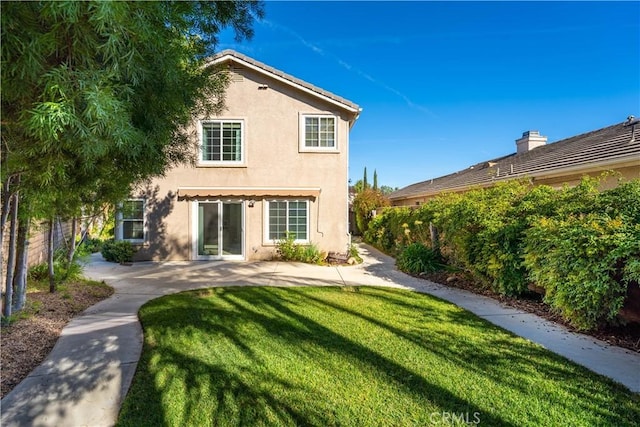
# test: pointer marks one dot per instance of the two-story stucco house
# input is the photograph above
(275, 161)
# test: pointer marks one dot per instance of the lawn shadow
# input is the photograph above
(270, 312)
(238, 395)
(496, 354)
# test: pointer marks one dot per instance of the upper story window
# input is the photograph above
(318, 133)
(222, 142)
(132, 220)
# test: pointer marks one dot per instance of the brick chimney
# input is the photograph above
(530, 140)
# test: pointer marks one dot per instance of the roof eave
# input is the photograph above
(620, 162)
(600, 165)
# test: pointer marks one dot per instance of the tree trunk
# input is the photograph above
(105, 218)
(85, 232)
(20, 279)
(11, 257)
(72, 243)
(4, 216)
(52, 280)
(435, 238)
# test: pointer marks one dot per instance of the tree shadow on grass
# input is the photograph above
(212, 395)
(498, 355)
(252, 395)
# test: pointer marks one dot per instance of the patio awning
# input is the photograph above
(189, 193)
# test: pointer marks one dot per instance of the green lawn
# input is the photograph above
(351, 357)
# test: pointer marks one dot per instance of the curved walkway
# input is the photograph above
(85, 378)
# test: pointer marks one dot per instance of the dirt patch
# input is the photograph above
(27, 341)
(626, 336)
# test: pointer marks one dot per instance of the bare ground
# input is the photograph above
(27, 341)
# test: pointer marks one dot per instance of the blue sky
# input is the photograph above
(446, 85)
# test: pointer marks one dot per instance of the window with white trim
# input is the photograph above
(318, 132)
(222, 142)
(288, 216)
(132, 219)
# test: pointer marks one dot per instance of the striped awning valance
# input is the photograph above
(246, 192)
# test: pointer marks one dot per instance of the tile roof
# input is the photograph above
(606, 146)
(354, 108)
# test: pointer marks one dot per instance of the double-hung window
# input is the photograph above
(132, 220)
(318, 133)
(222, 142)
(288, 216)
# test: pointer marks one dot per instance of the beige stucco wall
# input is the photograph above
(625, 173)
(272, 159)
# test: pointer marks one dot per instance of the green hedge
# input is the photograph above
(580, 244)
(118, 251)
(289, 250)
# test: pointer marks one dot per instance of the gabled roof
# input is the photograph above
(232, 55)
(604, 148)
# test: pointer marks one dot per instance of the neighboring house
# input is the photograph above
(614, 148)
(274, 162)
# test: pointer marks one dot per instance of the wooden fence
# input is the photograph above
(38, 243)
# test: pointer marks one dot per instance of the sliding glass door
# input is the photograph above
(219, 233)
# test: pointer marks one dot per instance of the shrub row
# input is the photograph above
(118, 251)
(288, 250)
(580, 244)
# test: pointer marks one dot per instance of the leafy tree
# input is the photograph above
(368, 199)
(97, 96)
(386, 190)
(364, 205)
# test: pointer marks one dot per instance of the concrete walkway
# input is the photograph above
(88, 373)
